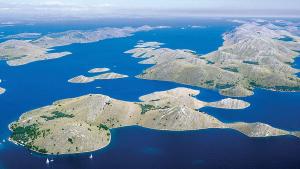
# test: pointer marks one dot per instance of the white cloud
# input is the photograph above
(50, 3)
(32, 9)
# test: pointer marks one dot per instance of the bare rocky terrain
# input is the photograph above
(83, 124)
(252, 56)
(104, 75)
(20, 52)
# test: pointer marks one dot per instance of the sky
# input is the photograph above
(146, 8)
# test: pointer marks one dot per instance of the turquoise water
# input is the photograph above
(286, 38)
(40, 83)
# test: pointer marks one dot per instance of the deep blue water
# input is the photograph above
(40, 83)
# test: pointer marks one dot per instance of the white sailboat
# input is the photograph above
(91, 156)
(47, 161)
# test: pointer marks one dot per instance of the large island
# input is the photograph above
(253, 55)
(83, 124)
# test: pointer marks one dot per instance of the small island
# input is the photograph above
(83, 124)
(102, 76)
(2, 90)
(99, 70)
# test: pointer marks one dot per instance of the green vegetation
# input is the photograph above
(26, 135)
(278, 88)
(70, 140)
(223, 86)
(209, 82)
(147, 107)
(251, 62)
(42, 151)
(210, 62)
(56, 115)
(287, 88)
(103, 126)
(231, 69)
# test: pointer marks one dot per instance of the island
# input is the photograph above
(2, 90)
(102, 76)
(99, 70)
(24, 35)
(83, 124)
(252, 56)
(20, 52)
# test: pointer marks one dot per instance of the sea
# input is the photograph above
(41, 83)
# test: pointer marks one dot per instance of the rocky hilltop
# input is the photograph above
(83, 124)
(252, 56)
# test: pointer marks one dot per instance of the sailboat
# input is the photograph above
(91, 156)
(47, 161)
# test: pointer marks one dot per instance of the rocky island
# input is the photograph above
(83, 124)
(2, 90)
(103, 76)
(252, 56)
(99, 70)
(23, 36)
(20, 52)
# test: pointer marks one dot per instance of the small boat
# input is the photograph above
(91, 156)
(47, 161)
(51, 160)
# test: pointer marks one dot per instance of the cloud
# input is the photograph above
(59, 9)
(52, 3)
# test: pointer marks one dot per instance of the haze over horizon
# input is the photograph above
(36, 9)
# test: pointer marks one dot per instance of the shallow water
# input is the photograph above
(40, 83)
